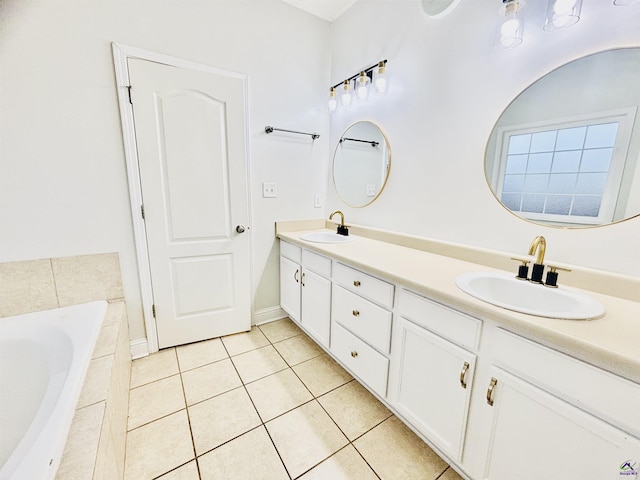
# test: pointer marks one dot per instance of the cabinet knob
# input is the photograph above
(463, 374)
(356, 283)
(355, 313)
(354, 354)
(492, 385)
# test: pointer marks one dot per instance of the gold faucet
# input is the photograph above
(338, 212)
(540, 244)
(342, 228)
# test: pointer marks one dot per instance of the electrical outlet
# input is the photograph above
(269, 190)
(317, 201)
(371, 190)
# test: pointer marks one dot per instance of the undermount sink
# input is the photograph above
(506, 291)
(325, 237)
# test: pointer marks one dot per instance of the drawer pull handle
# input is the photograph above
(356, 283)
(355, 313)
(492, 385)
(302, 279)
(463, 374)
(295, 276)
(354, 354)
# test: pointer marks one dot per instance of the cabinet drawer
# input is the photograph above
(365, 319)
(608, 396)
(362, 360)
(370, 287)
(290, 251)
(316, 263)
(455, 326)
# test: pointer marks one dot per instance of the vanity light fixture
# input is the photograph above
(359, 85)
(562, 14)
(624, 3)
(512, 25)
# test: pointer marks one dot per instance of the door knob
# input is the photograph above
(240, 229)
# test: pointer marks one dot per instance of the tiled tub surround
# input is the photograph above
(267, 404)
(96, 443)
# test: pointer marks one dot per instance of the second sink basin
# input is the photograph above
(504, 290)
(325, 237)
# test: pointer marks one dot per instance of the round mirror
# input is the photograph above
(361, 164)
(438, 8)
(565, 152)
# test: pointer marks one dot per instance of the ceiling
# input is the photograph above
(326, 9)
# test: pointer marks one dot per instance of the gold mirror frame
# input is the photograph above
(360, 166)
(560, 78)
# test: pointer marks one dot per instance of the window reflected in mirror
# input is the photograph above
(565, 151)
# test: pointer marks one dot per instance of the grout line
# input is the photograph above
(186, 406)
(443, 472)
(55, 285)
(159, 477)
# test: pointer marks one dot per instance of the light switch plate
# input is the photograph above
(269, 190)
(371, 190)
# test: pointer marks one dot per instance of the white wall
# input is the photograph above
(449, 86)
(63, 186)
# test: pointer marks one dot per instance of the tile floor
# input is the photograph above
(267, 404)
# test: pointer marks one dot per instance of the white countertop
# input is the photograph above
(611, 342)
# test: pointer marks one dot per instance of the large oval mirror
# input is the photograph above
(565, 152)
(361, 164)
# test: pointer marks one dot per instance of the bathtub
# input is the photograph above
(44, 358)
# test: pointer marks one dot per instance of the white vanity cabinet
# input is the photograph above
(433, 369)
(494, 404)
(361, 325)
(305, 290)
(290, 273)
(546, 419)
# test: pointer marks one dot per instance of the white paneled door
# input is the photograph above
(190, 134)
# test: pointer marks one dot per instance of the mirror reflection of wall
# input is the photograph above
(361, 164)
(565, 151)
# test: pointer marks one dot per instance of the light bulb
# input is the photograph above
(563, 7)
(562, 14)
(380, 81)
(362, 87)
(346, 96)
(511, 28)
(333, 101)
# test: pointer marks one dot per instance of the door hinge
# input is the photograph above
(129, 89)
(142, 211)
(153, 310)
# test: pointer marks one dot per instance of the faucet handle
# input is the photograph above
(523, 269)
(552, 276)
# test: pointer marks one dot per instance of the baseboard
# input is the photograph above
(139, 348)
(267, 315)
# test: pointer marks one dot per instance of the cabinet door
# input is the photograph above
(433, 385)
(536, 435)
(290, 275)
(316, 306)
